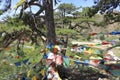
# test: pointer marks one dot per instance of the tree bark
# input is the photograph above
(49, 21)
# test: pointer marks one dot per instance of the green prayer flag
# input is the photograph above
(66, 62)
(97, 44)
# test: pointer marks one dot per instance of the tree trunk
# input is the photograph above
(49, 21)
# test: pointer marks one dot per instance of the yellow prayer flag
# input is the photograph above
(34, 78)
(29, 73)
(57, 76)
(71, 62)
(18, 3)
(46, 50)
(42, 72)
(76, 56)
(90, 51)
(18, 78)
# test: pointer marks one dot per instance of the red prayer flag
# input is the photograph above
(104, 43)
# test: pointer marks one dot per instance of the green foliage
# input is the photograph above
(9, 70)
(83, 19)
(12, 24)
(77, 14)
(15, 21)
(1, 12)
(85, 11)
(65, 31)
(103, 6)
(66, 20)
(112, 17)
(10, 29)
(100, 24)
(66, 8)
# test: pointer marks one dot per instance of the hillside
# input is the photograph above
(94, 24)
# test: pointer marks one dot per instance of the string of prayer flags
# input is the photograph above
(95, 33)
(95, 58)
(91, 45)
(103, 43)
(77, 62)
(114, 33)
(81, 62)
(92, 34)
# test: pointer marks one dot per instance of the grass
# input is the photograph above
(9, 69)
(116, 51)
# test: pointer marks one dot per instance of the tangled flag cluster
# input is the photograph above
(53, 56)
(110, 33)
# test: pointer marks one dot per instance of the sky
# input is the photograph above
(77, 3)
